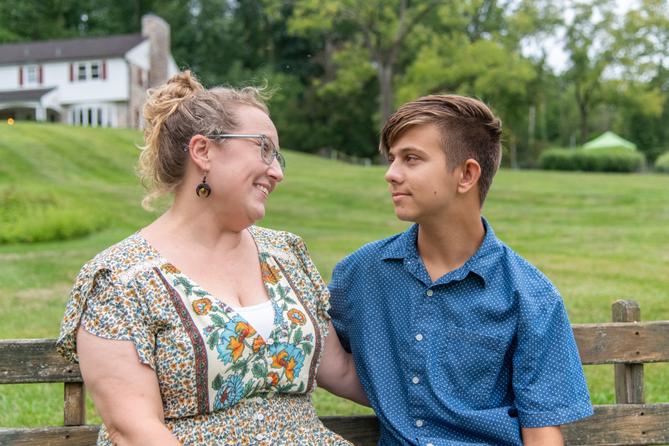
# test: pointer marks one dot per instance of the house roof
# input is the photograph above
(64, 49)
(609, 140)
(24, 95)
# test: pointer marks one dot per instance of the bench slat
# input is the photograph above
(34, 361)
(51, 436)
(627, 424)
(360, 430)
(620, 342)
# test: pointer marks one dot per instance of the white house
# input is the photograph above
(97, 82)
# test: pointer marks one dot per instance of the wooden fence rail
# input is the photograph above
(626, 342)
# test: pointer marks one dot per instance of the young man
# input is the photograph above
(457, 339)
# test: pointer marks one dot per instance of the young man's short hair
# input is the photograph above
(468, 128)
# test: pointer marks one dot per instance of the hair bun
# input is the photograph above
(163, 101)
(182, 85)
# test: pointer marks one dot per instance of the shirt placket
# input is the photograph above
(418, 340)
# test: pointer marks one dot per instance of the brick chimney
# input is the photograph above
(158, 32)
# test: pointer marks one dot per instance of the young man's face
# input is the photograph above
(421, 184)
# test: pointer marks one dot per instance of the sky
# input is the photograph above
(557, 58)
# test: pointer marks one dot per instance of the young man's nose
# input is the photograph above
(393, 174)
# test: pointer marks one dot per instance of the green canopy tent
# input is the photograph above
(609, 140)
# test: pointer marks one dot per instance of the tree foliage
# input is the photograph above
(339, 67)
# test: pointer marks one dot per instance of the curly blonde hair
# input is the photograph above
(173, 113)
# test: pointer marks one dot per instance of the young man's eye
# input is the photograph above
(411, 158)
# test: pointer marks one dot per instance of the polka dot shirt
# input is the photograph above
(468, 359)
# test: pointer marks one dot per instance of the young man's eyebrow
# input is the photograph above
(403, 149)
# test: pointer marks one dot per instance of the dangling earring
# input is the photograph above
(203, 189)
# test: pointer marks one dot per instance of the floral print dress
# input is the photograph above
(220, 381)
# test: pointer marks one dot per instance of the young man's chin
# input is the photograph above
(403, 215)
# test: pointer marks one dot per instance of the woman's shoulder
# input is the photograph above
(124, 258)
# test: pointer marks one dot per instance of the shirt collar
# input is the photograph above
(482, 263)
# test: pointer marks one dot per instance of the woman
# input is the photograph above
(202, 328)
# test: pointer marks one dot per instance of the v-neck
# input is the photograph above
(229, 309)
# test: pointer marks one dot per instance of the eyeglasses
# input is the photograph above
(268, 151)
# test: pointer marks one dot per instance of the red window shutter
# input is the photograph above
(104, 70)
(41, 74)
(71, 72)
(20, 76)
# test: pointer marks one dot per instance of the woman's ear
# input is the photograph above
(469, 175)
(198, 149)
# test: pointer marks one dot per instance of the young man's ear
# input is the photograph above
(198, 150)
(469, 175)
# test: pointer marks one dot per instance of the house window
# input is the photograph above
(89, 70)
(81, 72)
(32, 75)
(95, 70)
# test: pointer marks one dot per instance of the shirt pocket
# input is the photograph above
(468, 365)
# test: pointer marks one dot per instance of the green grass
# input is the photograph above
(599, 237)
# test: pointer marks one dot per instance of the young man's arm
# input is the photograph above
(542, 436)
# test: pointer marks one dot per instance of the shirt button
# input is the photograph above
(260, 437)
(270, 341)
(429, 444)
(419, 423)
(429, 293)
(260, 417)
(419, 337)
(415, 380)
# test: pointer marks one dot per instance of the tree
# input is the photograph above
(376, 28)
(591, 48)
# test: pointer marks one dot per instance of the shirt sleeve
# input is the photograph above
(339, 310)
(548, 379)
(107, 309)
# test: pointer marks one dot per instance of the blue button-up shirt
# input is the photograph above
(468, 359)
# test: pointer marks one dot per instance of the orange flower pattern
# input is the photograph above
(201, 306)
(297, 317)
(269, 273)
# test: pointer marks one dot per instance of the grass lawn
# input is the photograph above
(67, 193)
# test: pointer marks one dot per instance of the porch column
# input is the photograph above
(40, 113)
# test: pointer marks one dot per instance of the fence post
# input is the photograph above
(74, 409)
(628, 377)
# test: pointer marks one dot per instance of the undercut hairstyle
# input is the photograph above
(468, 130)
(175, 112)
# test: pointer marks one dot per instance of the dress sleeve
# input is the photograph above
(322, 295)
(108, 309)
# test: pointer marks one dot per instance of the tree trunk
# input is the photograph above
(386, 93)
(583, 109)
(531, 127)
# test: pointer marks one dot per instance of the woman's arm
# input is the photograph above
(336, 372)
(542, 436)
(125, 391)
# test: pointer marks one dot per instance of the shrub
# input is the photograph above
(597, 160)
(37, 216)
(557, 159)
(662, 163)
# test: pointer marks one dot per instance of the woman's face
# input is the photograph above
(240, 180)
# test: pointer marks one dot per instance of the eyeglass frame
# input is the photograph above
(264, 140)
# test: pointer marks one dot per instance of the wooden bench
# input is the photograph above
(625, 342)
